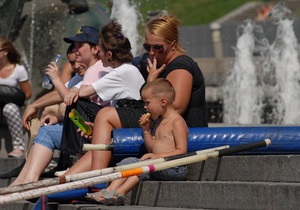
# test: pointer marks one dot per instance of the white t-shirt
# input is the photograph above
(18, 75)
(123, 82)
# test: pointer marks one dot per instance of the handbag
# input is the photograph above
(10, 94)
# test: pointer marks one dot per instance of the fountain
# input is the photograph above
(127, 12)
(47, 22)
(256, 91)
(267, 92)
(242, 98)
(40, 36)
(11, 24)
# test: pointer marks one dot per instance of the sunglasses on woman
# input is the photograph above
(154, 48)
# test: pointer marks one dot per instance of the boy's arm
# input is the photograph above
(149, 139)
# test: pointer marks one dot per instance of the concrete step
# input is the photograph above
(220, 195)
(55, 206)
(231, 182)
(260, 168)
(201, 195)
(273, 168)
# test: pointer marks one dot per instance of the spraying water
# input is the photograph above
(127, 12)
(27, 55)
(283, 62)
(247, 94)
(242, 95)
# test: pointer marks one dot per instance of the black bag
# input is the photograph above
(10, 94)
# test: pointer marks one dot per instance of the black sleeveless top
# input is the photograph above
(195, 114)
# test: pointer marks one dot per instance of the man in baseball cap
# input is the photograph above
(85, 34)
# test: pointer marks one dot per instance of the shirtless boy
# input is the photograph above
(168, 138)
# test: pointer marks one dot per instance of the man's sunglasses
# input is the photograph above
(154, 48)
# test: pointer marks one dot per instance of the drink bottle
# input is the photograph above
(79, 121)
(47, 81)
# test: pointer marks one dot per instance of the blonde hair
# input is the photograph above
(161, 87)
(167, 27)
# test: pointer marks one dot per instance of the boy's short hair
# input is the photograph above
(161, 86)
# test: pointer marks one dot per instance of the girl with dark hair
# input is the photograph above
(121, 86)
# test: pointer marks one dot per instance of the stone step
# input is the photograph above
(54, 206)
(269, 168)
(231, 182)
(219, 195)
(200, 195)
(248, 168)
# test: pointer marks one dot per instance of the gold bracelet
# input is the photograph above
(146, 132)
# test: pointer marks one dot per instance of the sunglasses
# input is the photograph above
(154, 48)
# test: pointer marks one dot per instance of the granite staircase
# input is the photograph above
(230, 182)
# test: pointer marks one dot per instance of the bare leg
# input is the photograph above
(114, 185)
(128, 185)
(82, 165)
(38, 159)
(122, 186)
(34, 128)
(106, 120)
(22, 174)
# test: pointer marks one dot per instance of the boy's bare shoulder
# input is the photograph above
(179, 121)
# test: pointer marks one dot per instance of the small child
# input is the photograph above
(170, 138)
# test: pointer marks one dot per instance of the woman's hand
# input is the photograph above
(49, 120)
(153, 72)
(83, 133)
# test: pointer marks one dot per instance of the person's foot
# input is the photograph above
(17, 153)
(109, 198)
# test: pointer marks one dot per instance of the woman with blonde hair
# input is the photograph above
(167, 60)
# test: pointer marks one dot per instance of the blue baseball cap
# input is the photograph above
(85, 34)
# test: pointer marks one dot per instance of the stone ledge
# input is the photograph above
(268, 168)
(219, 195)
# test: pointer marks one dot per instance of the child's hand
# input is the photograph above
(149, 156)
(144, 120)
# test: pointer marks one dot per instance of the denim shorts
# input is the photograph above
(177, 173)
(50, 136)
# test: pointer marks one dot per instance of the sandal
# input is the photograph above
(94, 197)
(117, 200)
(109, 198)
